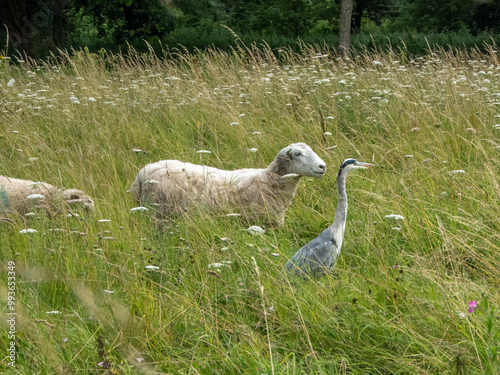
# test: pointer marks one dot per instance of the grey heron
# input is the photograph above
(321, 253)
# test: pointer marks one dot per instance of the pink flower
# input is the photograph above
(472, 306)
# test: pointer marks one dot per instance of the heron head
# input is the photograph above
(351, 164)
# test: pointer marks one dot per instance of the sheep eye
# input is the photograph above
(74, 197)
(298, 153)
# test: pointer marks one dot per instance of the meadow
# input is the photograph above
(116, 292)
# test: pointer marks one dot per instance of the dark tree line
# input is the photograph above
(35, 26)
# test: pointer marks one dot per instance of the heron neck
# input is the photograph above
(338, 225)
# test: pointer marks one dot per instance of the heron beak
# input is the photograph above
(363, 165)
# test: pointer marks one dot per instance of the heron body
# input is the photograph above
(321, 253)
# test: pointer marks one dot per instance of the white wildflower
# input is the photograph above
(394, 216)
(28, 230)
(255, 230)
(53, 312)
(203, 152)
(256, 133)
(104, 220)
(139, 209)
(253, 149)
(11, 82)
(109, 291)
(218, 266)
(330, 118)
(327, 133)
(29, 214)
(242, 115)
(35, 196)
(234, 123)
(459, 171)
(275, 254)
(91, 99)
(152, 268)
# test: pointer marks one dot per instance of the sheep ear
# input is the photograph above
(289, 153)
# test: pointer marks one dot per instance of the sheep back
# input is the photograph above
(14, 195)
(173, 186)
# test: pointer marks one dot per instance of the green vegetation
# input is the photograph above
(397, 300)
(117, 24)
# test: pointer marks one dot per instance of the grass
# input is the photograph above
(397, 300)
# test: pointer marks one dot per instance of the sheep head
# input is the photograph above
(299, 159)
(78, 197)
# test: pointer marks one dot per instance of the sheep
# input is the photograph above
(21, 196)
(259, 194)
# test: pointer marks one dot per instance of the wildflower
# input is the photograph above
(53, 312)
(408, 156)
(396, 228)
(330, 118)
(35, 196)
(472, 306)
(461, 315)
(104, 220)
(136, 149)
(377, 63)
(218, 266)
(139, 360)
(242, 115)
(28, 230)
(91, 99)
(29, 214)
(234, 123)
(253, 149)
(138, 209)
(394, 216)
(256, 133)
(152, 268)
(327, 133)
(65, 339)
(108, 291)
(457, 171)
(415, 129)
(203, 152)
(11, 82)
(254, 230)
(275, 254)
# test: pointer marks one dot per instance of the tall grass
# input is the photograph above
(397, 301)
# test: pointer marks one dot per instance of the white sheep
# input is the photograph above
(264, 195)
(22, 196)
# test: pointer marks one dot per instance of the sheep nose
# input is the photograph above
(322, 166)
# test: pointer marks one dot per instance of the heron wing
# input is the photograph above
(316, 256)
